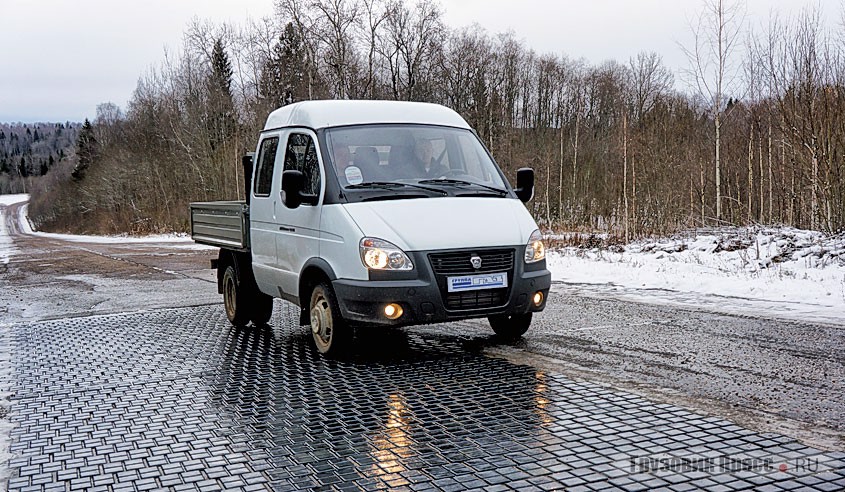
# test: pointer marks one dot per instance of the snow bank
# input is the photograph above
(6, 200)
(7, 248)
(786, 272)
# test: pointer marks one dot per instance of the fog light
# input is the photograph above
(393, 311)
(538, 298)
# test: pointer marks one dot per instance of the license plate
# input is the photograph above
(477, 282)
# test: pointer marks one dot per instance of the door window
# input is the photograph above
(264, 171)
(301, 155)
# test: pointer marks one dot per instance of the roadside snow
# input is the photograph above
(13, 199)
(786, 273)
(7, 248)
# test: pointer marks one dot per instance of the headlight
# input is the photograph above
(378, 254)
(535, 250)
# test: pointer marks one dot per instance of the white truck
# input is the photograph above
(376, 213)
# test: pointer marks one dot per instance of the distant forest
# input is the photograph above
(759, 137)
(31, 150)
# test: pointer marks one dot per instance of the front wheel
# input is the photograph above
(329, 330)
(510, 327)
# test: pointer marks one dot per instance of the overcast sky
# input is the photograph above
(61, 58)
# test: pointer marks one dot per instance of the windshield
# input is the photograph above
(412, 159)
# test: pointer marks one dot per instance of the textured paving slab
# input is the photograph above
(179, 399)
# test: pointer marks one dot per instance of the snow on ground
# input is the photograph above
(6, 200)
(784, 272)
(7, 248)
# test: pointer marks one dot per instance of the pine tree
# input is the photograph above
(222, 116)
(283, 77)
(221, 75)
(86, 150)
(47, 165)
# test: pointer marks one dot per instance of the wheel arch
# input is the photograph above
(242, 262)
(313, 272)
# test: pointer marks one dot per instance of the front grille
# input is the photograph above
(455, 263)
(476, 299)
(458, 262)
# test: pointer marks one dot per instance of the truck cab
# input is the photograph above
(376, 213)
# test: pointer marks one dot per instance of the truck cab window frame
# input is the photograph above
(301, 154)
(266, 164)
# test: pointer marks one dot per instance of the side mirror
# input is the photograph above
(293, 190)
(524, 184)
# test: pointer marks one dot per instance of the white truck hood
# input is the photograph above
(424, 224)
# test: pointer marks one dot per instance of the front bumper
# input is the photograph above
(421, 295)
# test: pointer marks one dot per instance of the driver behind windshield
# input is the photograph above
(427, 165)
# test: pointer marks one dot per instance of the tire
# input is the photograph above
(262, 308)
(329, 331)
(510, 327)
(234, 298)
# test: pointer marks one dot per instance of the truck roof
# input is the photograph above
(329, 113)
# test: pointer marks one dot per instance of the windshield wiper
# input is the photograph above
(460, 182)
(389, 185)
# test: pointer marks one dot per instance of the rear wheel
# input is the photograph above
(234, 298)
(510, 327)
(330, 332)
(262, 308)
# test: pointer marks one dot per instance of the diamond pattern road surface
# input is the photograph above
(179, 399)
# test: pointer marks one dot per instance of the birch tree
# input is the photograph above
(716, 34)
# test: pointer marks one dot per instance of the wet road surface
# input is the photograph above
(129, 377)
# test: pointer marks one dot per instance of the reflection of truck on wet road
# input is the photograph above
(376, 213)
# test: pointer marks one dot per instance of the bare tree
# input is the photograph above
(411, 35)
(716, 34)
(335, 22)
(649, 80)
(374, 14)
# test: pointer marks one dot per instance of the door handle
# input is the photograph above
(287, 229)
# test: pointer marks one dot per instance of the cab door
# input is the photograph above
(298, 229)
(262, 222)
